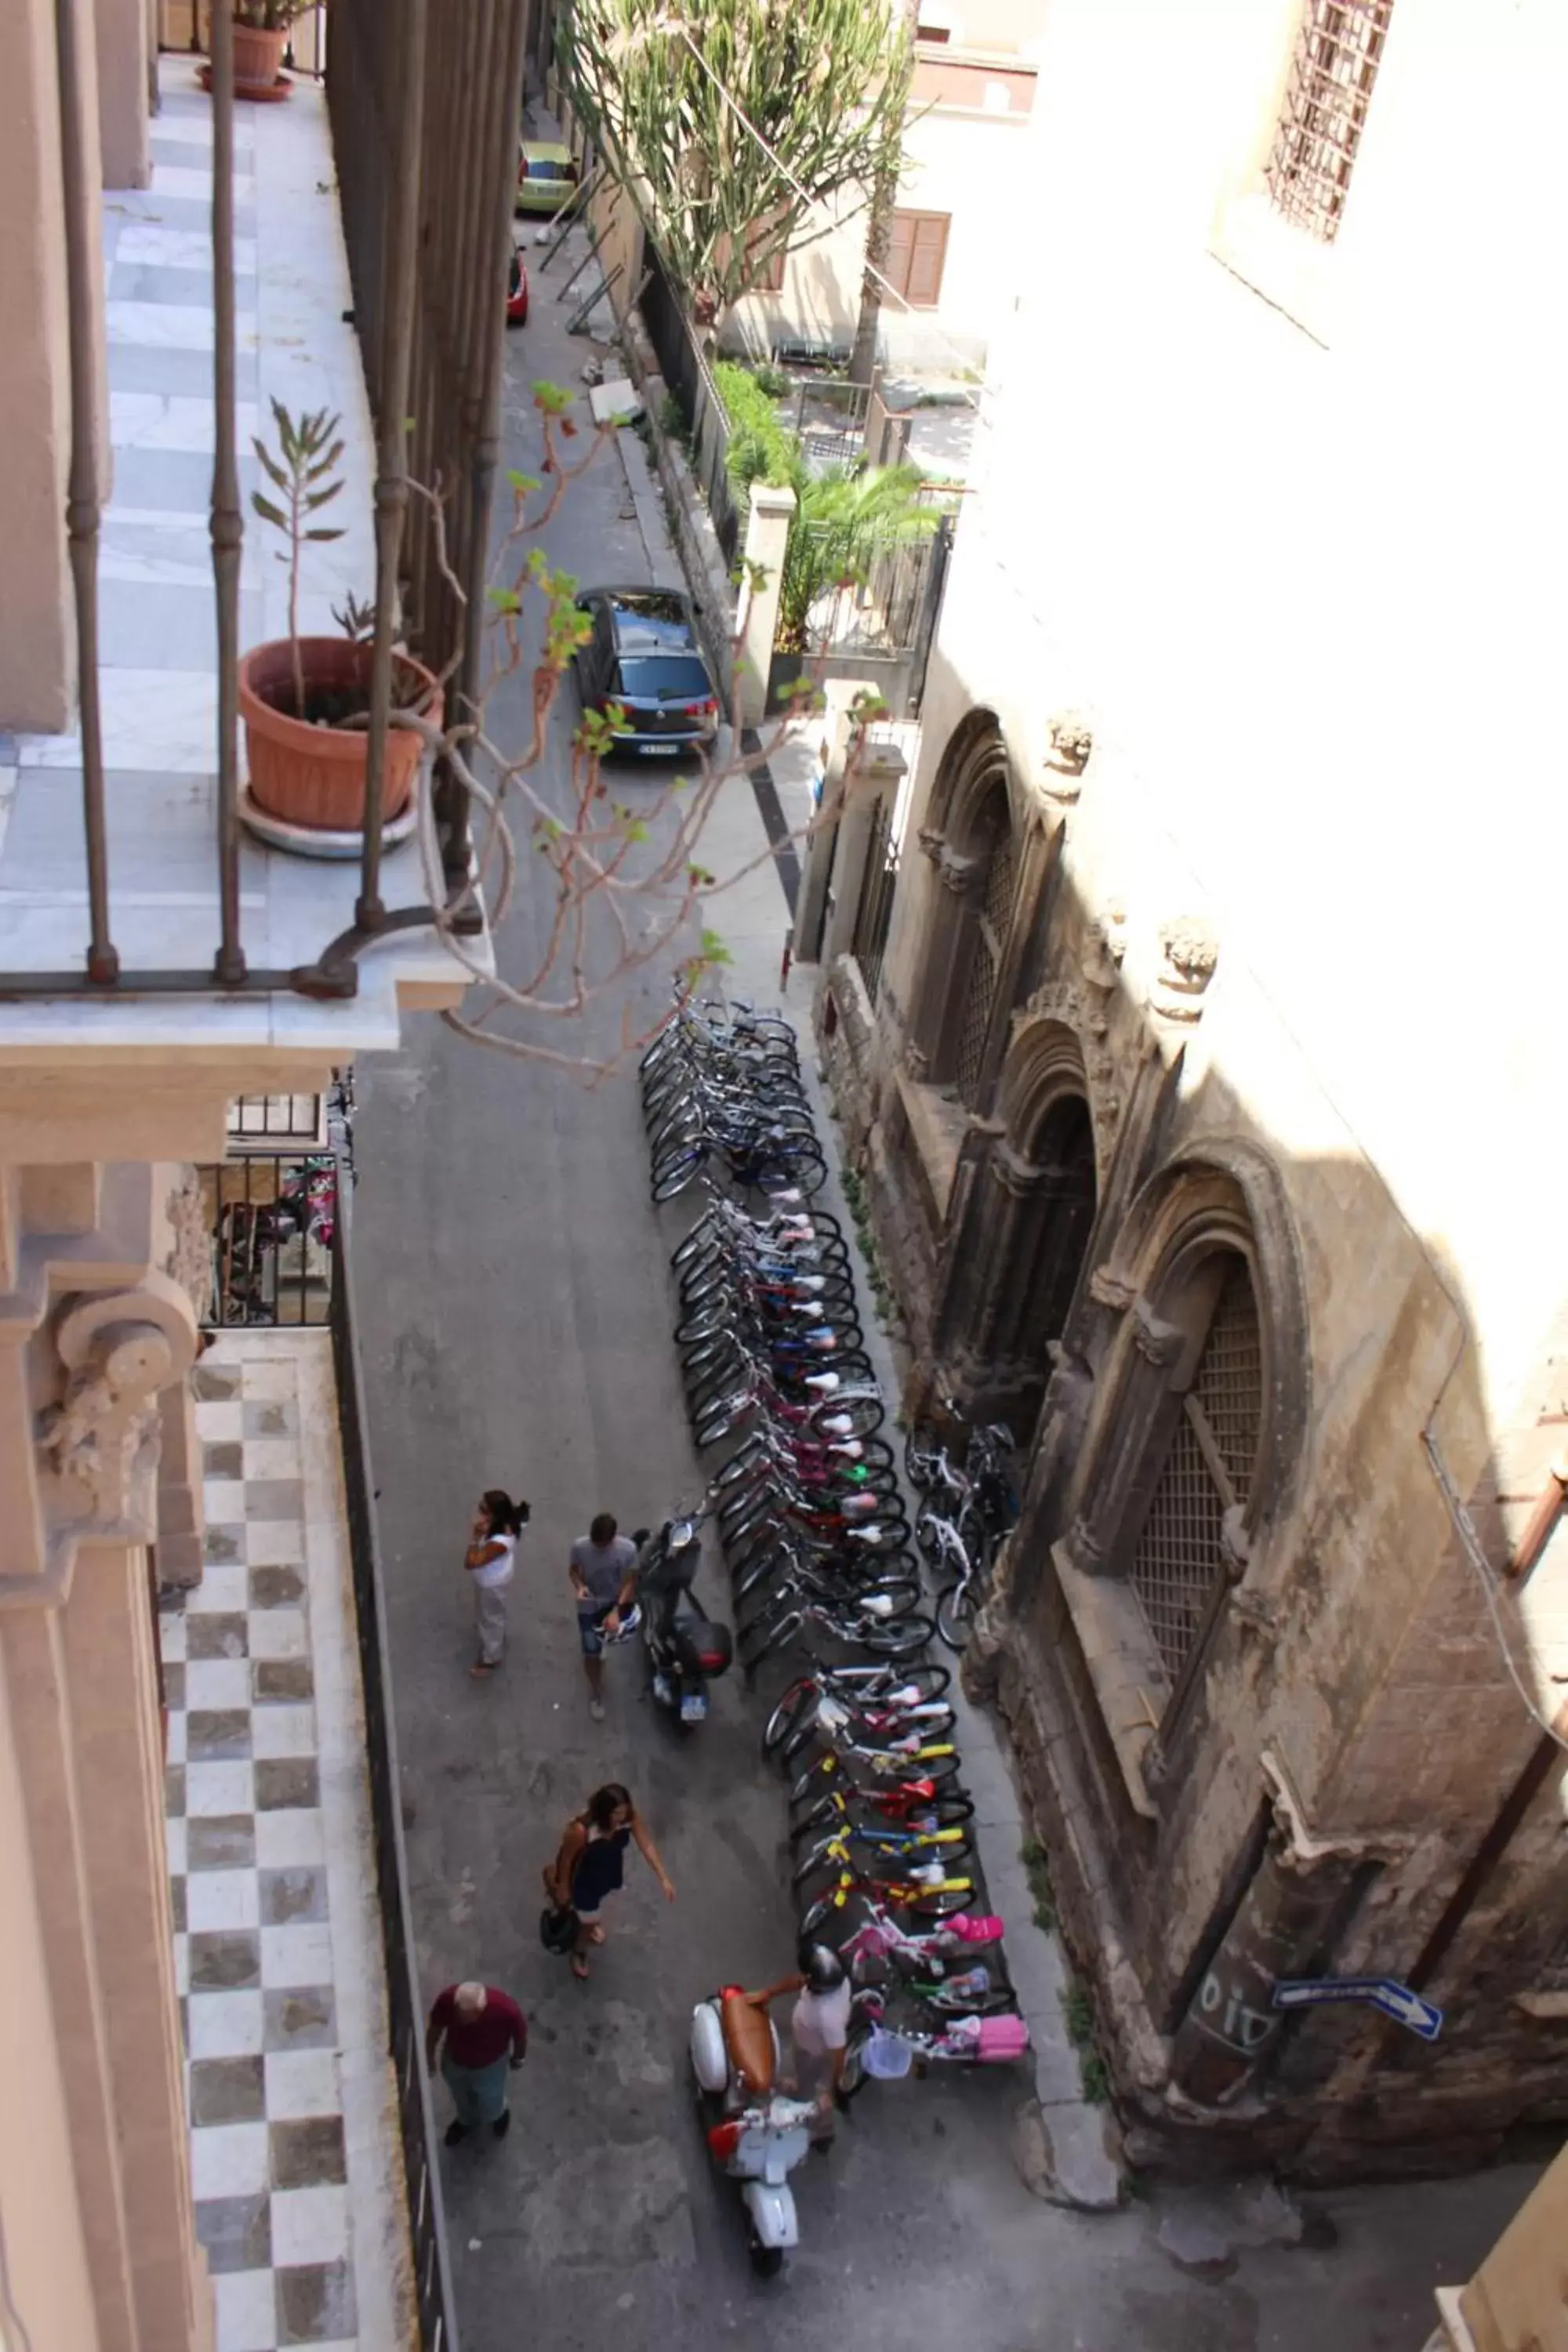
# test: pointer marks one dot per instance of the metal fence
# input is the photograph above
(273, 1218)
(425, 103)
(691, 387)
(432, 2262)
(879, 625)
(828, 417)
(426, 194)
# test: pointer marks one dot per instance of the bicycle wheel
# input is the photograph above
(674, 1175)
(943, 1770)
(858, 1414)
(783, 1632)
(786, 1717)
(947, 1812)
(959, 1857)
(830, 1918)
(957, 1605)
(901, 1638)
(711, 1425)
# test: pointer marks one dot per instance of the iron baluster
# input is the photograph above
(227, 529)
(391, 478)
(82, 507)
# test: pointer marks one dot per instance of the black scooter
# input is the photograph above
(683, 1649)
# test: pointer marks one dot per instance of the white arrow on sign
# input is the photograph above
(1386, 1993)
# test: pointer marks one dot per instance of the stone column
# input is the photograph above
(182, 1521)
(767, 536)
(37, 644)
(95, 1325)
(878, 773)
(832, 753)
(1231, 2025)
(122, 125)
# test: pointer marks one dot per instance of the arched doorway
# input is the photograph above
(1016, 1260)
(971, 841)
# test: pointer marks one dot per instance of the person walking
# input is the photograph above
(490, 1560)
(480, 2036)
(818, 2029)
(603, 1570)
(590, 1864)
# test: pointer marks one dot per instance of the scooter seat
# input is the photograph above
(748, 2041)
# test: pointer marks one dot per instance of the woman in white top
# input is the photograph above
(490, 1560)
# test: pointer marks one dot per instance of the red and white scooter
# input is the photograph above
(755, 2134)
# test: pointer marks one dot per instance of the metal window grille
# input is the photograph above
(875, 912)
(272, 1219)
(274, 1118)
(1336, 63)
(996, 914)
(1207, 1471)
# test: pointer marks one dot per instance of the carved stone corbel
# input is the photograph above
(961, 875)
(1189, 952)
(99, 1441)
(1158, 1343)
(1109, 1288)
(191, 1256)
(1015, 1175)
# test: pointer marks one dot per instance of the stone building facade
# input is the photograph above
(1210, 909)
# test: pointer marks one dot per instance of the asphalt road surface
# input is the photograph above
(516, 1331)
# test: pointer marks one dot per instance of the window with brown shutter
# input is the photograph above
(917, 250)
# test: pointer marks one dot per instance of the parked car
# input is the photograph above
(546, 176)
(517, 291)
(645, 655)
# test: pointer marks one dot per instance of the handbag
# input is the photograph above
(558, 1928)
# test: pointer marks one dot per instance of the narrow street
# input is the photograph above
(516, 1328)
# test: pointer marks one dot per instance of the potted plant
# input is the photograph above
(260, 36)
(305, 701)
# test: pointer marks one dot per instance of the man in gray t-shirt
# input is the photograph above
(603, 1578)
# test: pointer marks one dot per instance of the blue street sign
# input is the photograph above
(1386, 1993)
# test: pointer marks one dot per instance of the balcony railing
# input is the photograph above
(426, 2222)
(424, 104)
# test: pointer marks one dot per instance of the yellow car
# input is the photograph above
(546, 177)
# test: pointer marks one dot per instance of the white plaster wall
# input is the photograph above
(1311, 598)
(971, 166)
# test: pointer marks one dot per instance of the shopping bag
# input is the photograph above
(558, 1930)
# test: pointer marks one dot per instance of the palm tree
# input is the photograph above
(846, 519)
(878, 236)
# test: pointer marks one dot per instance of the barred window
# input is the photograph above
(874, 910)
(1178, 1570)
(1335, 65)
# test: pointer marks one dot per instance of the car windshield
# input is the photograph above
(539, 168)
(665, 677)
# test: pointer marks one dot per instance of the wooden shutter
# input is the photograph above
(917, 250)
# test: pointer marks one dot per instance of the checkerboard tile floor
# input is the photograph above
(248, 1864)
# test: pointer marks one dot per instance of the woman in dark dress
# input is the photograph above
(590, 1864)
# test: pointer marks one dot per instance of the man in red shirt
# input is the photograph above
(486, 2038)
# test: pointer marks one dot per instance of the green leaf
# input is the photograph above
(522, 483)
(324, 534)
(505, 599)
(270, 464)
(314, 498)
(268, 511)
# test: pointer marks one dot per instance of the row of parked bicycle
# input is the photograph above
(810, 1514)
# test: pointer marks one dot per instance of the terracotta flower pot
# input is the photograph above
(257, 57)
(314, 776)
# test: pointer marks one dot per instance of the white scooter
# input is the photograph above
(755, 2134)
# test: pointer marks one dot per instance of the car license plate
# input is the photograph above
(656, 750)
(693, 1706)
